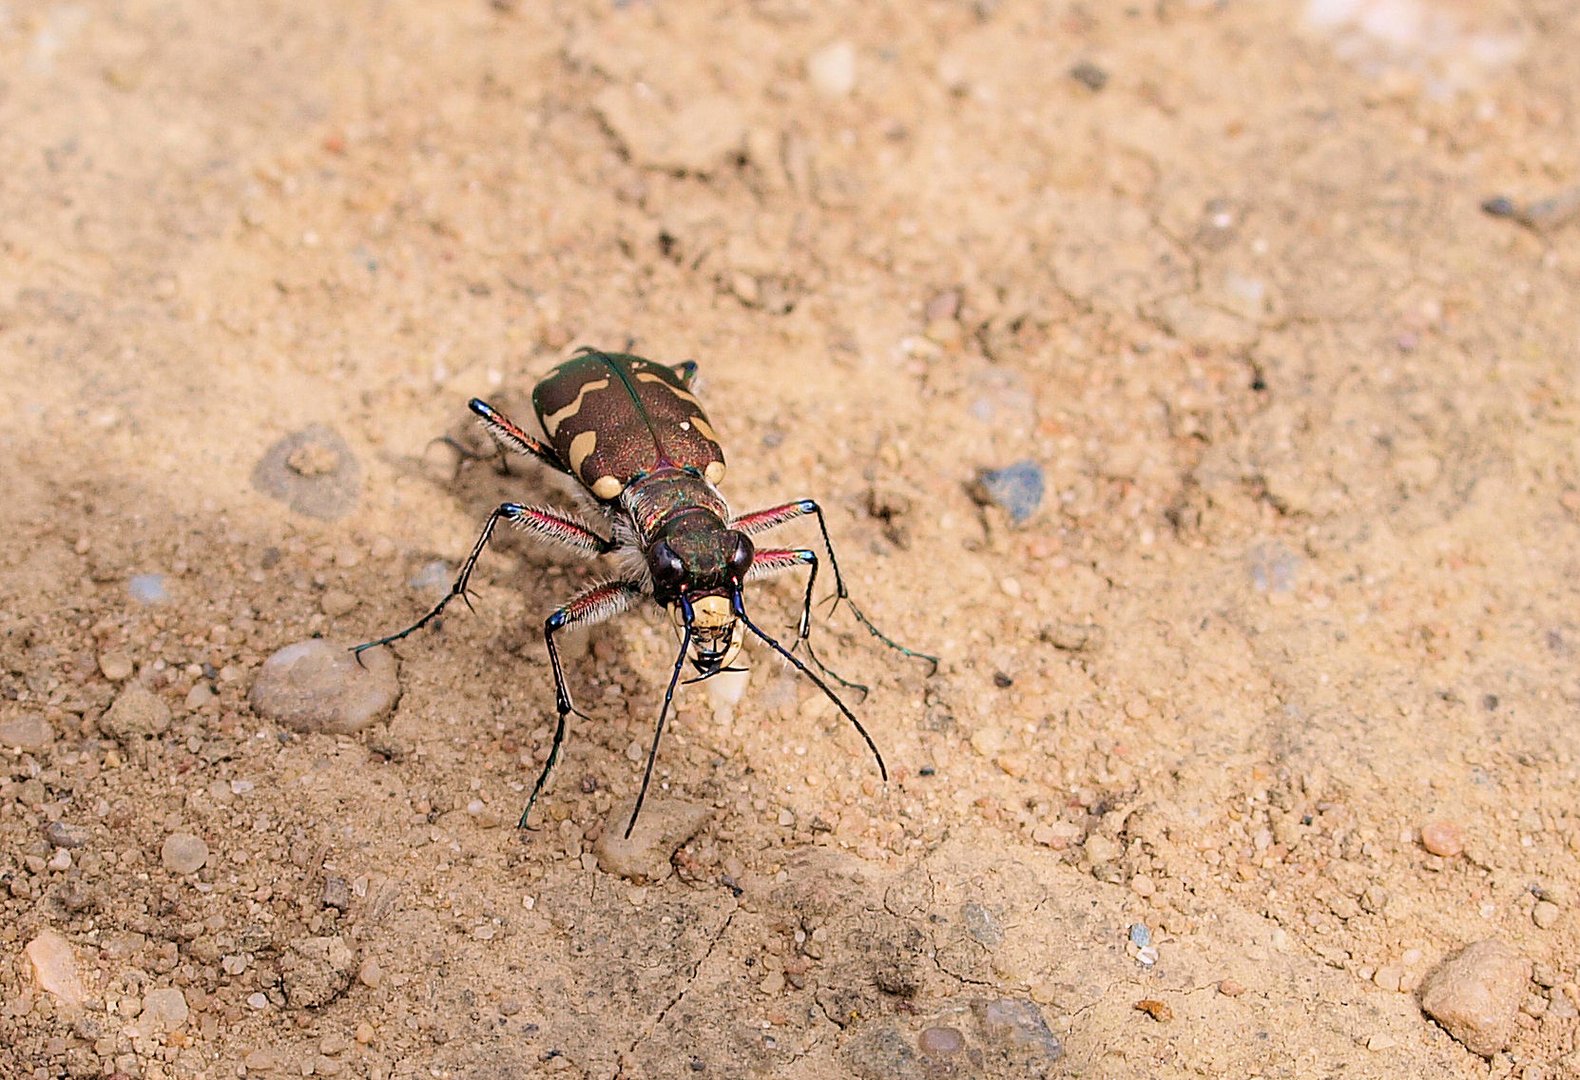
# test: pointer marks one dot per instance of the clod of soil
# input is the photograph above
(138, 713)
(663, 826)
(312, 471)
(1476, 994)
(316, 686)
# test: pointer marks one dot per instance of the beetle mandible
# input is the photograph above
(635, 439)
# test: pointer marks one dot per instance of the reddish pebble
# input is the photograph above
(941, 1041)
(1230, 988)
(1443, 838)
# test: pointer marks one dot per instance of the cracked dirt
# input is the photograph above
(1301, 580)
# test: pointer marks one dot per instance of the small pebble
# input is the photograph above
(148, 588)
(53, 965)
(1545, 914)
(200, 695)
(987, 741)
(365, 1033)
(1017, 489)
(183, 853)
(1142, 885)
(941, 1041)
(1057, 835)
(1156, 1009)
(1229, 988)
(336, 602)
(983, 926)
(1089, 75)
(370, 974)
(137, 713)
(115, 666)
(337, 893)
(1140, 935)
(1443, 838)
(1381, 1042)
(28, 733)
(261, 1060)
(1015, 1032)
(1476, 994)
(163, 1010)
(1101, 850)
(259, 1000)
(316, 686)
(61, 835)
(832, 69)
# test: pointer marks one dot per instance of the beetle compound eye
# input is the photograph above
(669, 573)
(740, 559)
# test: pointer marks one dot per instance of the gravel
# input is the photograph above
(317, 686)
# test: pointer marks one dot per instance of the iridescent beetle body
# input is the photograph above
(635, 438)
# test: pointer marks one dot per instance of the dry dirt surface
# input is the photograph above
(1197, 380)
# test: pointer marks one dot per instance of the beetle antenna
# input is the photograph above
(658, 732)
(739, 610)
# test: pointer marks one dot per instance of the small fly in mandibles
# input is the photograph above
(631, 433)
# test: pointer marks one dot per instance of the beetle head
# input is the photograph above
(697, 565)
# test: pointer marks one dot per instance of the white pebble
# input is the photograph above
(183, 853)
(832, 69)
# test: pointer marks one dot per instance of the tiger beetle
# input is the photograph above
(634, 438)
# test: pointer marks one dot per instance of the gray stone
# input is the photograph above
(316, 686)
(1017, 489)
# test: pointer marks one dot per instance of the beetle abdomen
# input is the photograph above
(612, 417)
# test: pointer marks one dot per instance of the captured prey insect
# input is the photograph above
(632, 435)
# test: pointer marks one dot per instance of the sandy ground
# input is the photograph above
(1302, 582)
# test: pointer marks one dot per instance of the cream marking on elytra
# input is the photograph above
(607, 487)
(714, 472)
(648, 376)
(552, 422)
(704, 429)
(581, 448)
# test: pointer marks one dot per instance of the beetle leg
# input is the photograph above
(546, 524)
(510, 436)
(762, 520)
(557, 528)
(603, 601)
(767, 562)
